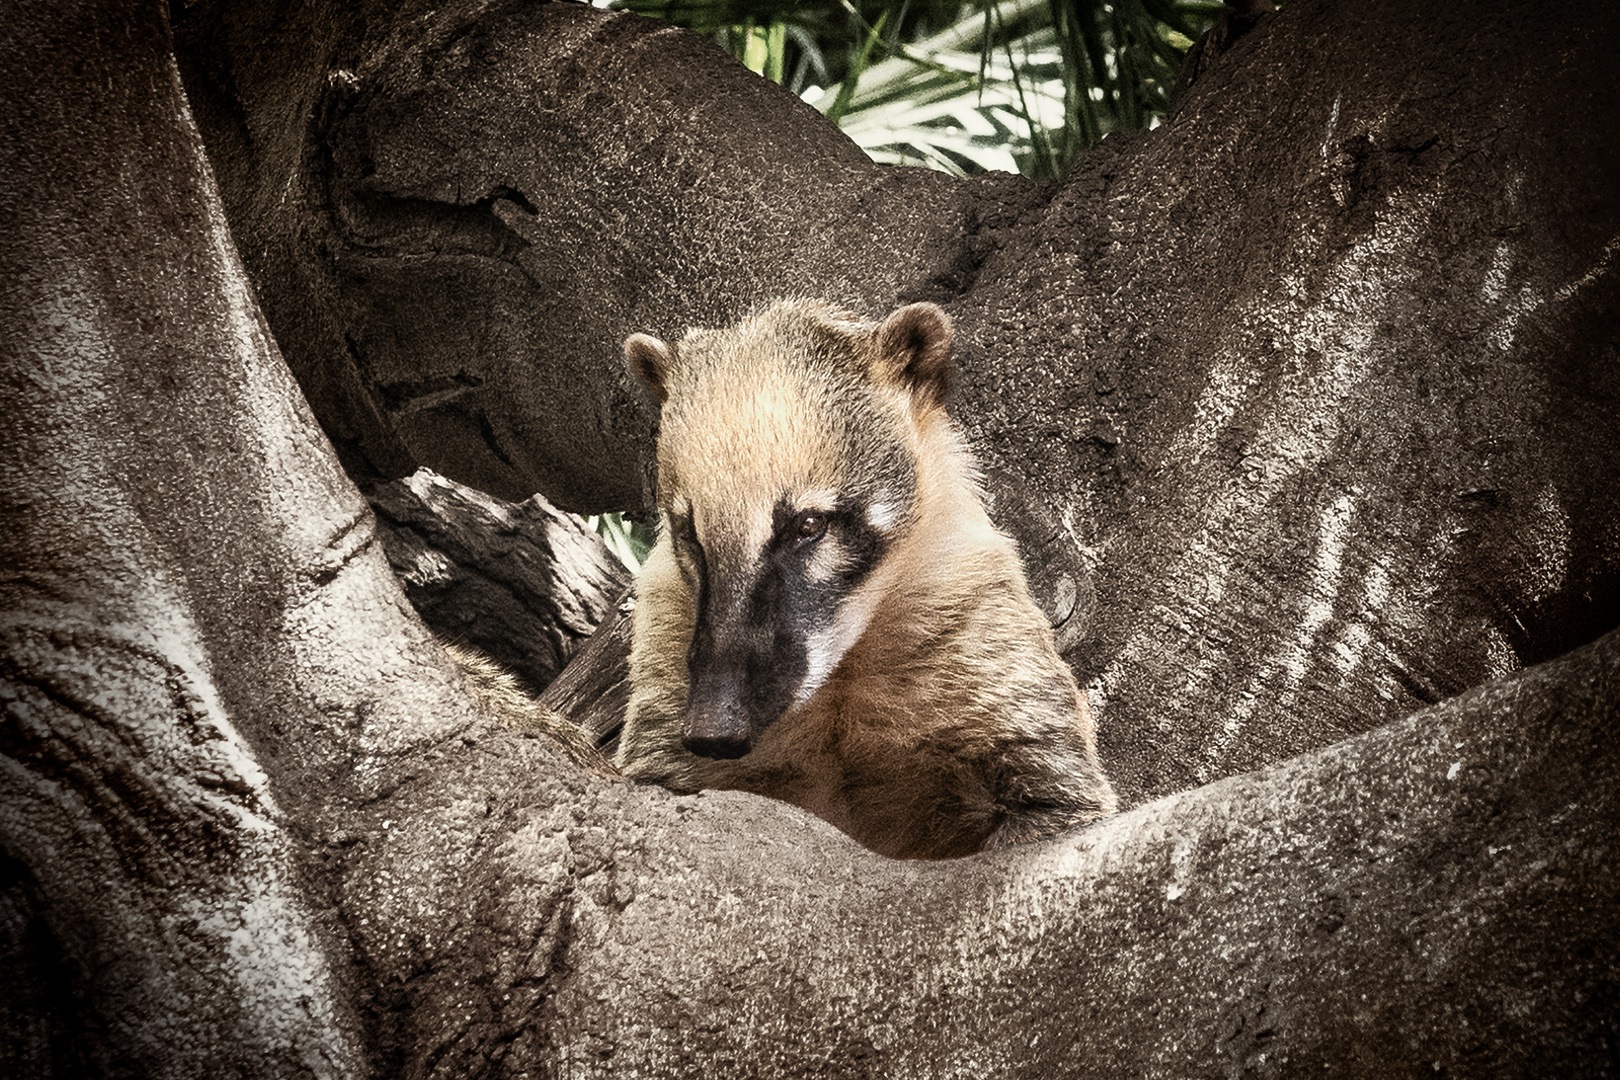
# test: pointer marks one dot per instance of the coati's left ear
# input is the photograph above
(651, 360)
(914, 352)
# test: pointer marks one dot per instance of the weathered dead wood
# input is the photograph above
(523, 583)
(594, 689)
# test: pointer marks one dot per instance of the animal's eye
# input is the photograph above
(809, 527)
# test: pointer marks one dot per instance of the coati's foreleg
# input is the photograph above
(505, 698)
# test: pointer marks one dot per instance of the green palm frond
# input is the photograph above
(964, 99)
(1019, 85)
(629, 541)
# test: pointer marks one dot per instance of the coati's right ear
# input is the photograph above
(651, 360)
(914, 351)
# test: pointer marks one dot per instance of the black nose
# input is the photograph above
(717, 746)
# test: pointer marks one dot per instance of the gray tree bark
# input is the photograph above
(1316, 381)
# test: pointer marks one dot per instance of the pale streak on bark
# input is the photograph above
(1295, 437)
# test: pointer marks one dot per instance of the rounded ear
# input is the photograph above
(914, 351)
(651, 360)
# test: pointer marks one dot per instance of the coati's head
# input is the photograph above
(787, 470)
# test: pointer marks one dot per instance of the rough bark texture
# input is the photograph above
(180, 616)
(421, 204)
(1430, 899)
(1318, 379)
(1334, 433)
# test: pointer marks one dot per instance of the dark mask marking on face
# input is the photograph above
(863, 545)
(756, 612)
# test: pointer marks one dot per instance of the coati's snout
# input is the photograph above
(757, 616)
(717, 723)
(727, 686)
(713, 730)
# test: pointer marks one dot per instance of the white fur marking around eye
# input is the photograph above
(826, 561)
(824, 649)
(882, 515)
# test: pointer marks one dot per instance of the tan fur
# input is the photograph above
(951, 722)
(505, 698)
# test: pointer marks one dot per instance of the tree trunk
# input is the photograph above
(196, 623)
(1315, 385)
(1298, 404)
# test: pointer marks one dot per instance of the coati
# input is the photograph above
(828, 616)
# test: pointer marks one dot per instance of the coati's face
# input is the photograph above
(787, 471)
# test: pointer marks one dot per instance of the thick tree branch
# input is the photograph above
(251, 812)
(1430, 897)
